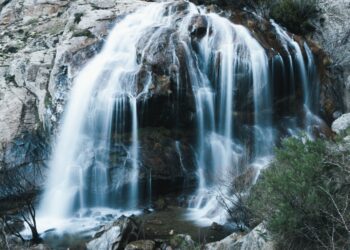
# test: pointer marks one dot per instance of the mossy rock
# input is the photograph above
(183, 242)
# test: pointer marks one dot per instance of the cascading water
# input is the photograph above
(307, 73)
(102, 92)
(218, 155)
(223, 64)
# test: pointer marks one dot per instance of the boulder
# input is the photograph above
(342, 124)
(257, 239)
(115, 235)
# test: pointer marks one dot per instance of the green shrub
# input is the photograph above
(304, 196)
(86, 32)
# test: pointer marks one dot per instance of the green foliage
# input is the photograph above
(77, 17)
(295, 14)
(48, 100)
(304, 196)
(86, 32)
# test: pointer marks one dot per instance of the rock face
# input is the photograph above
(42, 46)
(115, 236)
(333, 34)
(342, 124)
(257, 239)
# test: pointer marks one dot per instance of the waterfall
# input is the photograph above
(307, 75)
(218, 155)
(103, 91)
(228, 73)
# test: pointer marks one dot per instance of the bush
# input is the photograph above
(305, 195)
(295, 15)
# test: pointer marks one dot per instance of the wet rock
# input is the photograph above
(115, 235)
(342, 124)
(141, 245)
(198, 26)
(156, 49)
(257, 239)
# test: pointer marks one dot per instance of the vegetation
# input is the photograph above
(85, 32)
(295, 14)
(304, 196)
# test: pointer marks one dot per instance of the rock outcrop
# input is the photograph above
(333, 35)
(115, 236)
(42, 46)
(257, 239)
(342, 124)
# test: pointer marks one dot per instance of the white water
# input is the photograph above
(218, 155)
(105, 86)
(106, 89)
(307, 75)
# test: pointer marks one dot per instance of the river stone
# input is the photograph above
(342, 124)
(257, 239)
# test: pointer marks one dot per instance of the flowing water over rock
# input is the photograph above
(217, 77)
